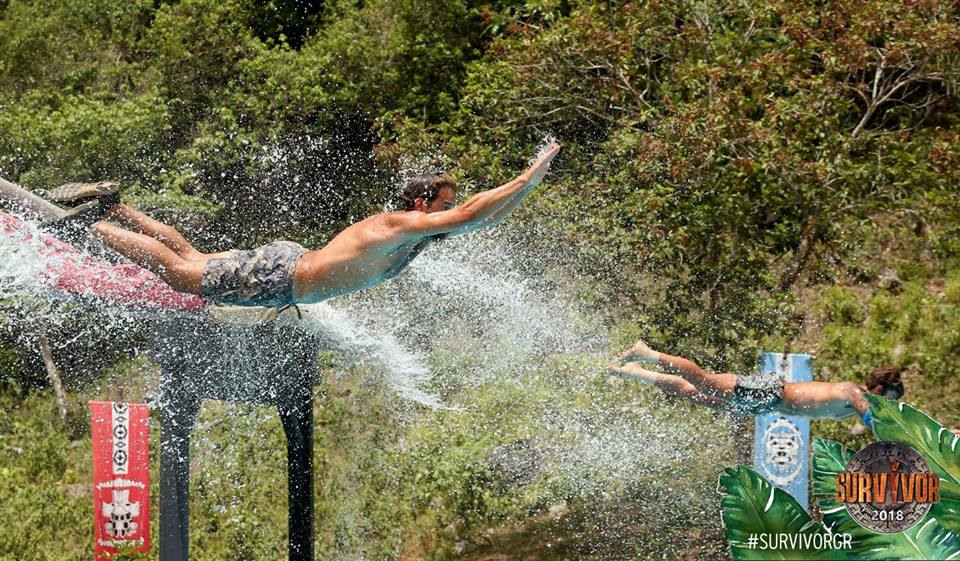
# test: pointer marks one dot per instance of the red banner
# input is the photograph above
(121, 476)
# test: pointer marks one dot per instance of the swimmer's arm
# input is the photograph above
(505, 210)
(475, 213)
(855, 397)
(511, 204)
(486, 208)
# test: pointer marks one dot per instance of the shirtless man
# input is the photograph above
(284, 273)
(759, 393)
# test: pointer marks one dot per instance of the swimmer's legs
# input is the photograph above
(710, 384)
(165, 234)
(667, 383)
(181, 274)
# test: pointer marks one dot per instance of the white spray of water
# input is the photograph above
(485, 302)
(359, 345)
(545, 145)
(21, 262)
(28, 274)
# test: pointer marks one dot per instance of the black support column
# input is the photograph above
(265, 364)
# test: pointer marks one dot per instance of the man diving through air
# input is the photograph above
(284, 273)
(759, 393)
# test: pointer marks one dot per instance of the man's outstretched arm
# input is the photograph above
(511, 204)
(486, 208)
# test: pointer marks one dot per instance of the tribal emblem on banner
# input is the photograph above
(121, 476)
(783, 443)
(121, 515)
(121, 431)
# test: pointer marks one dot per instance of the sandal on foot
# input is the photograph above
(73, 194)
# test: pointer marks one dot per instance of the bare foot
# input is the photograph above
(640, 351)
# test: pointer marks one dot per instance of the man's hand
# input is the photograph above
(639, 351)
(534, 175)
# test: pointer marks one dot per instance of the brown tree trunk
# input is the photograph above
(53, 375)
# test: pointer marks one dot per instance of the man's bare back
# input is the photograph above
(366, 253)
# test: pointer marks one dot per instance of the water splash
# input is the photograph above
(358, 345)
(507, 316)
(546, 143)
(28, 275)
(504, 316)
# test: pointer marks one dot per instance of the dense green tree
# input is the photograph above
(735, 176)
(719, 149)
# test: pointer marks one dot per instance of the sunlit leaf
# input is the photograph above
(752, 505)
(901, 422)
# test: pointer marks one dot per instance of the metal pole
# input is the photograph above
(179, 416)
(298, 426)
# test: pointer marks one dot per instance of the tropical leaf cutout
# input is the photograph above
(927, 540)
(829, 459)
(901, 422)
(752, 505)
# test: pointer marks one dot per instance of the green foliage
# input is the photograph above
(70, 46)
(907, 324)
(44, 482)
(195, 47)
(47, 141)
(405, 58)
(752, 505)
(937, 444)
(10, 363)
(128, 552)
(930, 539)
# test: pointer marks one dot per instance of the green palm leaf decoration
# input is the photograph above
(829, 459)
(927, 540)
(900, 422)
(752, 505)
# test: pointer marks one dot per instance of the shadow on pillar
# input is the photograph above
(265, 364)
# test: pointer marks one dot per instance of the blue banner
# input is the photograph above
(781, 443)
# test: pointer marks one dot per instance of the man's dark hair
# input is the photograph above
(426, 186)
(887, 377)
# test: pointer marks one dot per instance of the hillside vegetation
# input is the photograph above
(736, 176)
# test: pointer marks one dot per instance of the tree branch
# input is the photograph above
(53, 374)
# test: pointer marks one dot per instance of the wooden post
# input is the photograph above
(21, 199)
(53, 374)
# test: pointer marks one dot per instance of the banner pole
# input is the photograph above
(781, 443)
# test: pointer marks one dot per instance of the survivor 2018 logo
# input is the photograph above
(888, 487)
